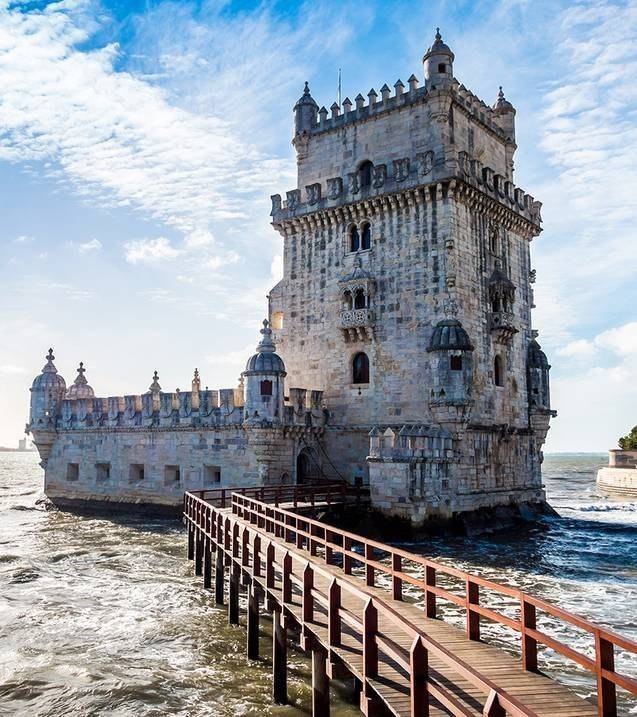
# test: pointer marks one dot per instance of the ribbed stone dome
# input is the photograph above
(49, 378)
(439, 46)
(265, 360)
(536, 358)
(80, 388)
(449, 335)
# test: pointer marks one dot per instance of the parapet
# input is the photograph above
(410, 442)
(425, 168)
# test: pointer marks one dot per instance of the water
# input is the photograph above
(103, 617)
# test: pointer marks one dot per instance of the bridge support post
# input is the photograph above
(219, 570)
(252, 632)
(207, 563)
(198, 554)
(233, 596)
(191, 542)
(279, 659)
(320, 684)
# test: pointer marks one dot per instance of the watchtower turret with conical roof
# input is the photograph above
(263, 381)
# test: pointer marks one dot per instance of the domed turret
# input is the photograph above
(438, 64)
(537, 376)
(449, 335)
(504, 115)
(264, 387)
(80, 387)
(305, 112)
(47, 390)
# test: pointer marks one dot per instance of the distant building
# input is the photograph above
(404, 313)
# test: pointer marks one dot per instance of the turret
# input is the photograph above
(504, 117)
(537, 373)
(450, 350)
(264, 387)
(47, 391)
(438, 64)
(304, 112)
(80, 388)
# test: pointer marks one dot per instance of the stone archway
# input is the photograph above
(306, 468)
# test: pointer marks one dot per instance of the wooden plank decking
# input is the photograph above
(407, 663)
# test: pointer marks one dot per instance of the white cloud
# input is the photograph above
(199, 239)
(216, 262)
(148, 251)
(24, 239)
(579, 349)
(10, 370)
(92, 245)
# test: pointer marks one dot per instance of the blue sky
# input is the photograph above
(140, 142)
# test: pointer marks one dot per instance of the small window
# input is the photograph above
(211, 475)
(360, 302)
(498, 373)
(72, 471)
(172, 475)
(495, 305)
(348, 302)
(276, 321)
(354, 239)
(442, 68)
(365, 173)
(456, 363)
(366, 236)
(266, 388)
(136, 472)
(103, 471)
(360, 368)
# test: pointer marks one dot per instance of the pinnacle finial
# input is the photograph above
(81, 370)
(50, 356)
(438, 35)
(306, 89)
(154, 386)
(266, 345)
(49, 367)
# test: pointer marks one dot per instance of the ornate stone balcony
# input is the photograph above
(502, 323)
(357, 323)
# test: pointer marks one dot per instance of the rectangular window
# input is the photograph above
(211, 475)
(103, 471)
(277, 320)
(171, 475)
(72, 471)
(266, 388)
(456, 363)
(136, 472)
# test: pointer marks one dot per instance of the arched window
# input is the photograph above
(347, 300)
(359, 299)
(366, 236)
(266, 388)
(354, 239)
(360, 368)
(365, 174)
(498, 371)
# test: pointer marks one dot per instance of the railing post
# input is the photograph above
(329, 553)
(418, 678)
(492, 707)
(287, 572)
(256, 556)
(473, 618)
(369, 569)
(191, 541)
(198, 553)
(308, 600)
(245, 553)
(334, 614)
(606, 691)
(430, 596)
(529, 644)
(370, 654)
(235, 540)
(269, 565)
(320, 684)
(396, 580)
(313, 545)
(347, 559)
(233, 596)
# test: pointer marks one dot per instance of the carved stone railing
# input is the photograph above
(502, 323)
(357, 323)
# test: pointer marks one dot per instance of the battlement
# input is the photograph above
(410, 442)
(362, 111)
(426, 168)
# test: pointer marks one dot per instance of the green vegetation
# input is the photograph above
(629, 442)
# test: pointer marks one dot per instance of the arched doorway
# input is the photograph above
(306, 468)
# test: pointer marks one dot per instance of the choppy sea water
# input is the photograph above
(103, 617)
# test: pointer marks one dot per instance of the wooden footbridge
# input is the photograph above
(372, 612)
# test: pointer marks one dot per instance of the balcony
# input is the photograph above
(357, 324)
(502, 324)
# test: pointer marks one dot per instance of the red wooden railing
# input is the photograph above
(309, 534)
(224, 531)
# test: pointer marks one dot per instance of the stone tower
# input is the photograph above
(407, 297)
